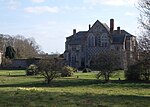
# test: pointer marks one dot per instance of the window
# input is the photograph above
(91, 40)
(117, 48)
(98, 41)
(103, 44)
(104, 40)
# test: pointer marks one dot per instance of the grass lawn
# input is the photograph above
(18, 90)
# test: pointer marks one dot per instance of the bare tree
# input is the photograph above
(5, 40)
(141, 69)
(106, 64)
(49, 68)
(144, 19)
(24, 47)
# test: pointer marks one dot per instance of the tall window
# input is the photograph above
(104, 40)
(91, 40)
(98, 41)
(73, 60)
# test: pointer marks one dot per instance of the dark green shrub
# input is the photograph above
(10, 52)
(85, 70)
(31, 70)
(139, 71)
(133, 73)
(67, 71)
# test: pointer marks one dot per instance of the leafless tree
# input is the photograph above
(106, 63)
(24, 47)
(144, 19)
(49, 68)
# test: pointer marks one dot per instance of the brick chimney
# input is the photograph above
(111, 25)
(74, 31)
(89, 26)
(118, 30)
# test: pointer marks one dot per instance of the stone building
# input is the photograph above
(0, 58)
(83, 45)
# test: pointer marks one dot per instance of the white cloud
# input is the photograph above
(73, 8)
(13, 4)
(38, 1)
(41, 9)
(111, 2)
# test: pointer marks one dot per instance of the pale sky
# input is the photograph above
(51, 21)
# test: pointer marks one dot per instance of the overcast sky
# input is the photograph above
(51, 21)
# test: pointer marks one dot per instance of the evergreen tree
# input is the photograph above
(10, 52)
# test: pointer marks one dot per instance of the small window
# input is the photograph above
(106, 44)
(117, 48)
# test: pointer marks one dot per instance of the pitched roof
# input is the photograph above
(118, 39)
(103, 24)
(123, 32)
(106, 26)
(77, 38)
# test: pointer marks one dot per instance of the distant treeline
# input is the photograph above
(24, 47)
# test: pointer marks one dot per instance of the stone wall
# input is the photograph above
(0, 58)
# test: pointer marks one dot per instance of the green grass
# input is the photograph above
(18, 90)
(12, 72)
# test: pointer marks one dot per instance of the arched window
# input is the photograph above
(73, 60)
(104, 40)
(91, 40)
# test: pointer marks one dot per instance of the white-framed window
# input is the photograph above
(104, 40)
(91, 40)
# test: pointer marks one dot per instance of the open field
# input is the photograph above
(18, 90)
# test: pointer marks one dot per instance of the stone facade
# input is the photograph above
(0, 58)
(83, 45)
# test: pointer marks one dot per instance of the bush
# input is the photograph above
(139, 71)
(31, 70)
(85, 70)
(67, 71)
(50, 68)
(133, 73)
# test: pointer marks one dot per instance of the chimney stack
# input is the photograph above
(111, 25)
(118, 30)
(74, 31)
(89, 26)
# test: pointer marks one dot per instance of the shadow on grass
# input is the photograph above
(79, 82)
(35, 98)
(13, 75)
(54, 83)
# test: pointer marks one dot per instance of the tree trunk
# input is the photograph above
(48, 80)
(106, 76)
